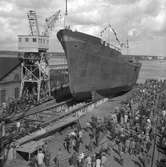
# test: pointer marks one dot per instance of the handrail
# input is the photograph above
(109, 44)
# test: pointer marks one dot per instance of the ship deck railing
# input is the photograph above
(110, 45)
(115, 47)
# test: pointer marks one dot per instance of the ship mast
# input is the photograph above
(66, 13)
(66, 9)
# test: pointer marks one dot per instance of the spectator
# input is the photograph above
(93, 160)
(74, 159)
(80, 135)
(58, 157)
(67, 143)
(45, 147)
(56, 162)
(40, 158)
(47, 158)
(32, 162)
(70, 162)
(18, 125)
(88, 161)
(81, 160)
(103, 159)
(98, 160)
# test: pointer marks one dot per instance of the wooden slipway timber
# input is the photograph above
(63, 120)
(37, 109)
(44, 132)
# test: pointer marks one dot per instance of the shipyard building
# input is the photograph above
(10, 73)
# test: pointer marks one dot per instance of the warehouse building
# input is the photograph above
(10, 73)
(9, 76)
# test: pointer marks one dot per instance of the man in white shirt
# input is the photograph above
(40, 158)
(98, 162)
(164, 113)
(18, 124)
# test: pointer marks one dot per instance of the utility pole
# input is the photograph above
(155, 129)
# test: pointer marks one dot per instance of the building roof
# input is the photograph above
(9, 60)
(7, 53)
(8, 64)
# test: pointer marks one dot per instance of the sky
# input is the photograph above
(142, 22)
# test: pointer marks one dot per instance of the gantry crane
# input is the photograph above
(33, 48)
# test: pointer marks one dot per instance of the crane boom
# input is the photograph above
(50, 22)
(33, 23)
(115, 34)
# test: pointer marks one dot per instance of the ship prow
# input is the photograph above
(96, 67)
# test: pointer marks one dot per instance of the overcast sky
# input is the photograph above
(143, 22)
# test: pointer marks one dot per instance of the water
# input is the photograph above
(152, 70)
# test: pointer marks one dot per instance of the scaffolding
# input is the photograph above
(35, 78)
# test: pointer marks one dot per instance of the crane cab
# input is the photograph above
(32, 43)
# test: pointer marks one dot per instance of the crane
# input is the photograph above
(110, 27)
(34, 46)
(33, 23)
(50, 22)
(115, 34)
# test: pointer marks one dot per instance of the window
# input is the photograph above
(26, 39)
(3, 95)
(16, 93)
(34, 39)
(16, 77)
(19, 39)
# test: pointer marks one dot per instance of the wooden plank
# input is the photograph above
(51, 114)
(42, 106)
(47, 130)
(33, 120)
(33, 111)
(30, 147)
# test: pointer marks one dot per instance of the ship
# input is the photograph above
(96, 69)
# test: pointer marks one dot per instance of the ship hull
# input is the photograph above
(95, 68)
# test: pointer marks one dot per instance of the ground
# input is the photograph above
(56, 141)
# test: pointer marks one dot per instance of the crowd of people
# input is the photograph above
(11, 130)
(131, 128)
(89, 157)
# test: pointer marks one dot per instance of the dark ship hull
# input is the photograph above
(94, 68)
